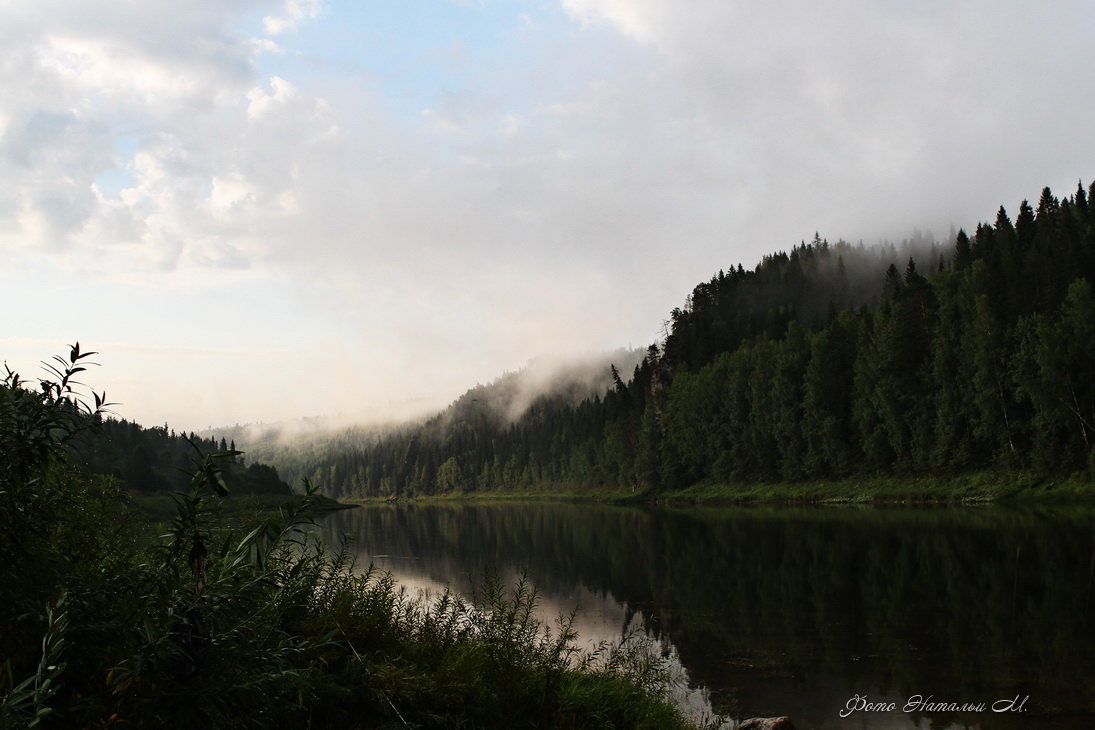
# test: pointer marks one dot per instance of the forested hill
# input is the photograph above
(829, 361)
(157, 459)
(332, 456)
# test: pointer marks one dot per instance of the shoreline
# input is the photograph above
(971, 489)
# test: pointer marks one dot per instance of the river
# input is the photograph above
(796, 611)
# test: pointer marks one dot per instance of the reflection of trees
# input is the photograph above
(960, 602)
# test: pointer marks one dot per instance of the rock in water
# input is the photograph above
(767, 723)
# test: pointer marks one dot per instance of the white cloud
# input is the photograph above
(262, 101)
(79, 84)
(870, 116)
(228, 194)
(294, 13)
(99, 67)
(208, 151)
(508, 126)
(266, 45)
(660, 143)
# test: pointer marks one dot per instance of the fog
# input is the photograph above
(505, 398)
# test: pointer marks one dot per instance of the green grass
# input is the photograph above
(975, 487)
(548, 493)
(968, 488)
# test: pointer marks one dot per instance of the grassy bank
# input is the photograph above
(976, 487)
(547, 494)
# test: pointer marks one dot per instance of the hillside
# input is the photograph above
(158, 460)
(331, 455)
(830, 361)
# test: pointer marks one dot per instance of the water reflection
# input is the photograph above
(796, 610)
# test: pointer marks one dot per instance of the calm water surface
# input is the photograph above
(795, 611)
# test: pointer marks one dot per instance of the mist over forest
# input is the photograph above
(822, 362)
(499, 403)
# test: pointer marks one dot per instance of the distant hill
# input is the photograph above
(330, 455)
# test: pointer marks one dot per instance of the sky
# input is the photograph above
(258, 210)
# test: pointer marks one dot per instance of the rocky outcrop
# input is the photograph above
(767, 723)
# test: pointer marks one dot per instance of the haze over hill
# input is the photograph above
(296, 447)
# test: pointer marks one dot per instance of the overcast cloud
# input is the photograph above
(402, 216)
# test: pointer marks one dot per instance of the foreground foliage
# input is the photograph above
(251, 622)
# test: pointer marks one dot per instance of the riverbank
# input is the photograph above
(236, 615)
(969, 488)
